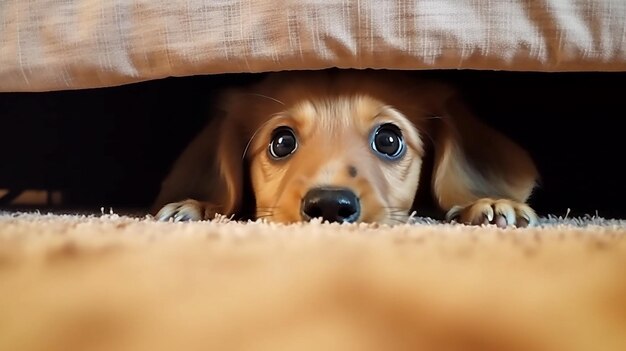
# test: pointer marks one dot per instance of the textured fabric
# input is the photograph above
(120, 283)
(67, 44)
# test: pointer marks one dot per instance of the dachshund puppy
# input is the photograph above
(348, 146)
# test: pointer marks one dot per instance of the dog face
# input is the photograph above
(344, 146)
(341, 158)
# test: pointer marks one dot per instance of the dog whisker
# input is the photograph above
(274, 117)
(398, 210)
(436, 117)
(398, 220)
(267, 97)
(266, 212)
(245, 150)
(399, 215)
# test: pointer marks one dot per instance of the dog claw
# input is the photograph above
(501, 213)
(185, 211)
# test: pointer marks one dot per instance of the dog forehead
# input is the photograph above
(355, 112)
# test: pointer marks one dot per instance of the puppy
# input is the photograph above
(348, 146)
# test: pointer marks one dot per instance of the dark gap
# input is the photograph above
(111, 147)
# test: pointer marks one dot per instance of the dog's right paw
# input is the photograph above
(184, 211)
(501, 212)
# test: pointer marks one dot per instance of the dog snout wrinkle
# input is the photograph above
(331, 204)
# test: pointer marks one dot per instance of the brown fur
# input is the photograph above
(479, 176)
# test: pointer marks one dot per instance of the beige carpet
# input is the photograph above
(119, 283)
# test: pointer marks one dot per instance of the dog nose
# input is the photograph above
(331, 204)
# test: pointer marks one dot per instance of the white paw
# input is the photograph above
(503, 213)
(184, 211)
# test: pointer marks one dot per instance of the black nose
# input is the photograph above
(331, 204)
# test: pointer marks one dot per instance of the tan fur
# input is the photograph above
(333, 115)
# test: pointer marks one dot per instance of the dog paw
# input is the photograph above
(184, 211)
(501, 212)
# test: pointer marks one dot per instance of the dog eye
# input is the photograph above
(283, 143)
(387, 141)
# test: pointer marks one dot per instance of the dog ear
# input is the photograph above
(209, 170)
(230, 161)
(473, 161)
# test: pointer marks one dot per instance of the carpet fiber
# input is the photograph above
(111, 282)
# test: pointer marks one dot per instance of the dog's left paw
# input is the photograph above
(501, 212)
(184, 211)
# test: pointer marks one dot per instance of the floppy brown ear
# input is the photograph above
(209, 170)
(473, 161)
